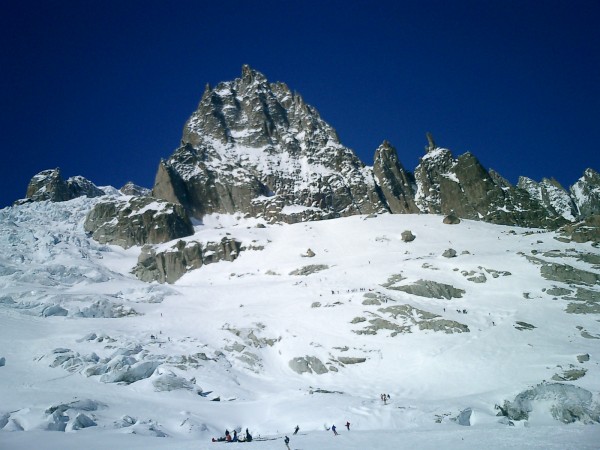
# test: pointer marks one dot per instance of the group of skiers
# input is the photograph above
(247, 437)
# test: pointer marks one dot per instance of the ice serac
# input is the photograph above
(50, 185)
(397, 184)
(256, 147)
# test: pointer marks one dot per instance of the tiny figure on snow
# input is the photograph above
(348, 425)
(296, 429)
(248, 436)
(287, 442)
(235, 436)
(227, 436)
(334, 430)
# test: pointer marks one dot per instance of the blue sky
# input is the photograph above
(102, 88)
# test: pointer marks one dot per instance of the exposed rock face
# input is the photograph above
(133, 189)
(256, 147)
(49, 185)
(462, 186)
(137, 221)
(308, 364)
(552, 195)
(586, 193)
(171, 264)
(430, 289)
(584, 231)
(396, 184)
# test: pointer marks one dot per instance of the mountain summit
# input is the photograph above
(257, 147)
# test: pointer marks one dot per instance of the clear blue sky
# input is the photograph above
(102, 88)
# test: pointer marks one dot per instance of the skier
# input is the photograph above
(248, 436)
(287, 442)
(348, 425)
(296, 429)
(334, 430)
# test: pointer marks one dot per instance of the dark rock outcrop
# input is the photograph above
(50, 185)
(397, 185)
(167, 266)
(137, 221)
(551, 195)
(464, 187)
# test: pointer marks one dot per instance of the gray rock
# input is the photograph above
(351, 360)
(524, 326)
(407, 236)
(587, 230)
(558, 291)
(564, 273)
(307, 364)
(309, 253)
(451, 219)
(167, 266)
(583, 308)
(2, 363)
(431, 289)
(137, 221)
(310, 269)
(570, 375)
(583, 358)
(449, 253)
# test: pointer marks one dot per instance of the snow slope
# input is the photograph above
(144, 363)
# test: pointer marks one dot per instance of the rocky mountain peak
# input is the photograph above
(256, 147)
(50, 185)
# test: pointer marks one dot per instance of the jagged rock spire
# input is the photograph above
(430, 142)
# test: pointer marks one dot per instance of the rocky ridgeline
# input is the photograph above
(257, 148)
